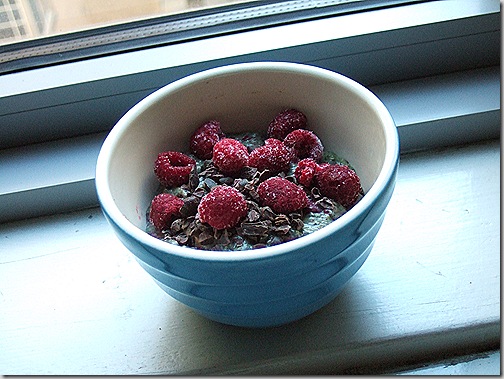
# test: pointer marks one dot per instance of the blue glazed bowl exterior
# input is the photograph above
(270, 286)
(270, 291)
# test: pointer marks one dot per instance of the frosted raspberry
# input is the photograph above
(164, 209)
(204, 139)
(172, 168)
(282, 195)
(285, 122)
(230, 156)
(305, 171)
(340, 183)
(273, 156)
(305, 144)
(223, 207)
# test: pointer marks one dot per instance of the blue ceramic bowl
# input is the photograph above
(273, 285)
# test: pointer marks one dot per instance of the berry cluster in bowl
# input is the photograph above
(246, 191)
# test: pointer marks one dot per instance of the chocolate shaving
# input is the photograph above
(226, 180)
(261, 227)
(267, 213)
(177, 225)
(248, 172)
(182, 238)
(281, 219)
(205, 237)
(193, 178)
(190, 207)
(331, 207)
(253, 215)
(263, 175)
(297, 224)
(199, 192)
(223, 238)
(209, 183)
(254, 229)
(254, 195)
(210, 171)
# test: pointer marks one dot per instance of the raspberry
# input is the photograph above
(305, 144)
(340, 183)
(282, 195)
(223, 207)
(285, 122)
(230, 156)
(273, 156)
(172, 168)
(165, 208)
(204, 138)
(305, 171)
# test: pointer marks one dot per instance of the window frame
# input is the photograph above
(408, 55)
(175, 28)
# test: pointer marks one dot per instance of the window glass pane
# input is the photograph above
(35, 33)
(44, 18)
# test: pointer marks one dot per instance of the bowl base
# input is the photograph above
(271, 316)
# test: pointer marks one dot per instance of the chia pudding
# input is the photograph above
(325, 183)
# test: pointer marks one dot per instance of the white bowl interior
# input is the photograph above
(347, 118)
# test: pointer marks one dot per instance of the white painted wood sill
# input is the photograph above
(74, 301)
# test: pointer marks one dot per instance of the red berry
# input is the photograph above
(204, 139)
(285, 122)
(305, 171)
(273, 156)
(305, 144)
(230, 156)
(172, 168)
(223, 207)
(164, 209)
(340, 183)
(282, 195)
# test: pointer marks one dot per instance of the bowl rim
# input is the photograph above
(113, 212)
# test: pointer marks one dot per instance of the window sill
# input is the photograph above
(75, 301)
(474, 365)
